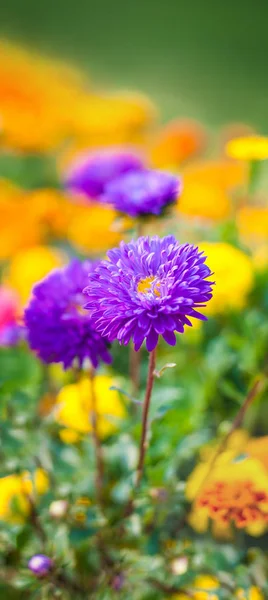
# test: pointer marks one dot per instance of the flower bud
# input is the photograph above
(40, 565)
(58, 509)
(179, 565)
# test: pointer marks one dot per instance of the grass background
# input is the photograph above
(200, 58)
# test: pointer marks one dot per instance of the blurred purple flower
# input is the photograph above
(40, 565)
(11, 334)
(90, 173)
(58, 328)
(140, 193)
(147, 288)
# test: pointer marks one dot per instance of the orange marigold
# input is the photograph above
(177, 141)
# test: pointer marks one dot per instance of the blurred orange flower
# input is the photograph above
(204, 201)
(18, 227)
(53, 211)
(36, 96)
(222, 173)
(252, 223)
(176, 142)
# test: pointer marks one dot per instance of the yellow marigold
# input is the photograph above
(93, 229)
(233, 274)
(226, 174)
(252, 147)
(258, 448)
(260, 257)
(207, 590)
(252, 223)
(203, 200)
(254, 593)
(235, 492)
(177, 141)
(204, 587)
(30, 266)
(121, 118)
(16, 489)
(74, 403)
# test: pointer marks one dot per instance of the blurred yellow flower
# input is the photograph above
(260, 257)
(74, 403)
(16, 489)
(177, 141)
(258, 448)
(69, 436)
(121, 118)
(223, 173)
(203, 200)
(233, 274)
(30, 266)
(39, 484)
(254, 593)
(93, 229)
(204, 587)
(252, 223)
(252, 147)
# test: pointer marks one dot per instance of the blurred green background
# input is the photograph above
(200, 58)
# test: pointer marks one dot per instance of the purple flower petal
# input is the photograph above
(143, 290)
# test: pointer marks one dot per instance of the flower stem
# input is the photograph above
(135, 357)
(96, 440)
(134, 367)
(145, 414)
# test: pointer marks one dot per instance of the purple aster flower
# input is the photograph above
(140, 193)
(147, 288)
(58, 328)
(40, 565)
(92, 171)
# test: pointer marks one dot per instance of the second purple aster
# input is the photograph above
(92, 171)
(148, 288)
(141, 193)
(58, 329)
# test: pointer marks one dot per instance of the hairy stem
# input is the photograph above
(145, 415)
(144, 432)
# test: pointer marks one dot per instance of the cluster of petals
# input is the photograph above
(148, 288)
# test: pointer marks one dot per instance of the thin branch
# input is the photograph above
(169, 589)
(249, 399)
(35, 521)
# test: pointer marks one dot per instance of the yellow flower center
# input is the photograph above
(147, 285)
